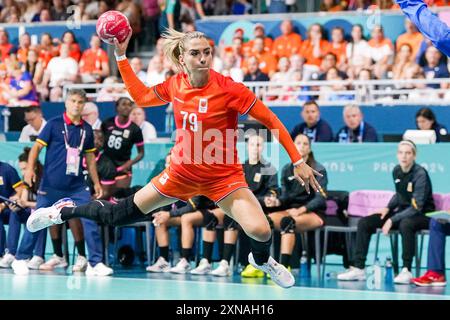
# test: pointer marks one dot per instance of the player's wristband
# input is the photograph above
(299, 162)
(120, 58)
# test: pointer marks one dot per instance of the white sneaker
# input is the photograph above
(161, 265)
(35, 263)
(54, 262)
(46, 217)
(204, 267)
(80, 265)
(278, 273)
(100, 270)
(404, 277)
(7, 260)
(182, 266)
(20, 267)
(352, 274)
(223, 270)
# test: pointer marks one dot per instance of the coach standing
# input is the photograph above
(67, 138)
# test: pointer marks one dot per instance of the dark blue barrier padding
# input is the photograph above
(385, 119)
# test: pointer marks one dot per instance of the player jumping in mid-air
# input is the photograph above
(204, 159)
(427, 23)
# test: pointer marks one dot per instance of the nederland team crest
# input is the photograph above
(203, 105)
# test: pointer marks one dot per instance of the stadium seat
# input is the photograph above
(360, 204)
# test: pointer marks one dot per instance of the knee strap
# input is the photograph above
(209, 220)
(229, 223)
(287, 225)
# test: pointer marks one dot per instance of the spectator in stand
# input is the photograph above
(434, 69)
(267, 63)
(329, 93)
(381, 52)
(91, 116)
(364, 91)
(148, 130)
(355, 129)
(317, 129)
(32, 11)
(229, 67)
(35, 123)
(426, 120)
(258, 31)
(315, 47)
(404, 63)
(134, 14)
(288, 43)
(296, 62)
(60, 70)
(136, 65)
(338, 46)
(279, 77)
(34, 67)
(333, 5)
(151, 14)
(358, 5)
(155, 71)
(412, 37)
(236, 49)
(328, 62)
(4, 84)
(46, 50)
(45, 16)
(358, 53)
(94, 64)
(58, 11)
(5, 46)
(24, 47)
(69, 39)
(108, 93)
(22, 91)
(9, 9)
(254, 73)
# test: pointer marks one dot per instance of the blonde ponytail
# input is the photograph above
(175, 44)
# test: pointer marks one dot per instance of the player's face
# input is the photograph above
(99, 139)
(405, 155)
(302, 144)
(255, 147)
(74, 105)
(124, 107)
(310, 114)
(197, 58)
(423, 123)
(352, 118)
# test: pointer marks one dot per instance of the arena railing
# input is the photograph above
(368, 92)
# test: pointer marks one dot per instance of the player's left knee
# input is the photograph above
(229, 224)
(209, 220)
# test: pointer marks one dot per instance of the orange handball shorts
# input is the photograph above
(172, 185)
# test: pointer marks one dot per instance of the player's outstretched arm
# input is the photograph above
(428, 24)
(303, 173)
(143, 96)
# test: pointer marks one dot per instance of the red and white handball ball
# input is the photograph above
(113, 24)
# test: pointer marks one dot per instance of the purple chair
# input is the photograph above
(441, 202)
(360, 204)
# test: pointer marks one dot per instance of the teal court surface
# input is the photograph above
(137, 284)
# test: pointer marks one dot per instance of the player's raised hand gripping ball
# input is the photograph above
(113, 24)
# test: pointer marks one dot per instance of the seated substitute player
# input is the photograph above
(206, 106)
(405, 212)
(300, 211)
(120, 136)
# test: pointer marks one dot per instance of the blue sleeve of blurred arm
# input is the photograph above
(427, 23)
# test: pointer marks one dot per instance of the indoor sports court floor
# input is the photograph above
(137, 284)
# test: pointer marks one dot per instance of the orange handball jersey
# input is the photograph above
(206, 121)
